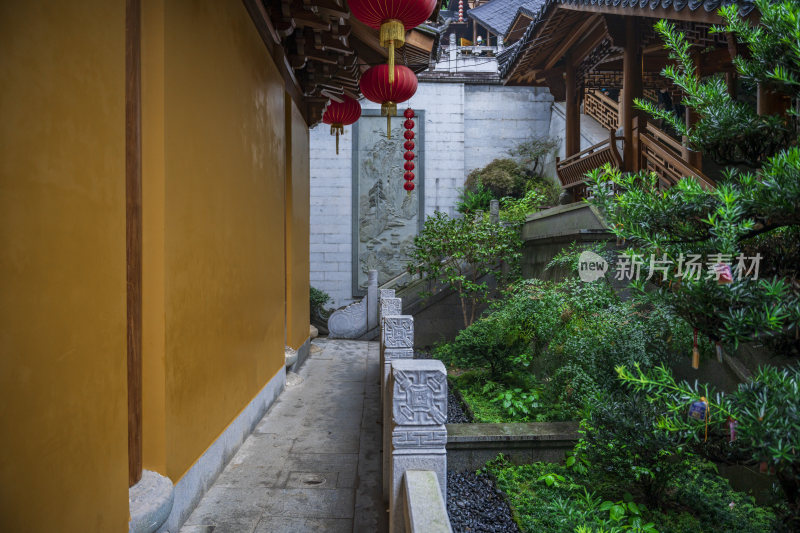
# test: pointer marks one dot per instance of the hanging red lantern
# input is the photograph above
(375, 86)
(339, 115)
(409, 186)
(409, 165)
(408, 176)
(409, 135)
(393, 18)
(409, 113)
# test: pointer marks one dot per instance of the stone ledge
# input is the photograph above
(425, 509)
(150, 502)
(511, 432)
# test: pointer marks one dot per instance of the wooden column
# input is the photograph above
(631, 88)
(133, 233)
(572, 140)
(693, 158)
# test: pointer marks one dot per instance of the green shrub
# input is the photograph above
(555, 498)
(477, 199)
(318, 299)
(502, 177)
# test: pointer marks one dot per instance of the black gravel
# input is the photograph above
(475, 505)
(455, 411)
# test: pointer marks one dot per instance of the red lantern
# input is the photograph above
(408, 176)
(409, 135)
(339, 115)
(393, 18)
(376, 88)
(409, 155)
(409, 186)
(409, 113)
(409, 165)
(408, 145)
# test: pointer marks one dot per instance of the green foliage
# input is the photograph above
(318, 299)
(621, 437)
(766, 409)
(549, 347)
(522, 173)
(517, 210)
(755, 212)
(477, 199)
(460, 252)
(729, 131)
(502, 177)
(555, 498)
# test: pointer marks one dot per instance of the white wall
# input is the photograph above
(466, 126)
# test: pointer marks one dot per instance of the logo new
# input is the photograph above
(591, 266)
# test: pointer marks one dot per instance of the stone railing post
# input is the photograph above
(419, 411)
(389, 307)
(384, 294)
(372, 300)
(398, 340)
(494, 211)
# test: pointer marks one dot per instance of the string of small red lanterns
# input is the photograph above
(409, 146)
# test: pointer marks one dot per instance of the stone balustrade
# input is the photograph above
(414, 396)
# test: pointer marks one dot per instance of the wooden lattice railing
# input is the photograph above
(653, 150)
(657, 152)
(601, 108)
(572, 170)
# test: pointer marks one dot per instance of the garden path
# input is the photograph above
(313, 461)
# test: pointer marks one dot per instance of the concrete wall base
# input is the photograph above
(194, 483)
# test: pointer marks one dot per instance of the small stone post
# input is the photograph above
(389, 307)
(372, 300)
(398, 339)
(419, 437)
(383, 294)
(453, 52)
(494, 211)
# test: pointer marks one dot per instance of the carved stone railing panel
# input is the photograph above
(418, 434)
(398, 343)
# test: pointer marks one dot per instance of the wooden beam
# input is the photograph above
(133, 232)
(571, 39)
(585, 47)
(419, 40)
(368, 36)
(262, 22)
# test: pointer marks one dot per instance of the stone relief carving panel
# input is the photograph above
(386, 217)
(391, 306)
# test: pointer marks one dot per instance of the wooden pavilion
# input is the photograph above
(585, 51)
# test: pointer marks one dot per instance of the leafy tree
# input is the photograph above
(765, 409)
(461, 252)
(749, 214)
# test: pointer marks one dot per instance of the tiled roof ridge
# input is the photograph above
(505, 63)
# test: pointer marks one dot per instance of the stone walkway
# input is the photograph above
(313, 461)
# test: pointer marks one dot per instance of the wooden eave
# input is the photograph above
(321, 50)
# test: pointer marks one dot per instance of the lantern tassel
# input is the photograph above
(392, 35)
(336, 129)
(391, 62)
(388, 126)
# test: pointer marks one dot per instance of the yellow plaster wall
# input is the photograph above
(63, 410)
(224, 153)
(297, 230)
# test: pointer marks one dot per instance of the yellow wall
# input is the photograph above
(215, 186)
(63, 414)
(297, 230)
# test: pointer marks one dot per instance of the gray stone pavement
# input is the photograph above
(313, 461)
